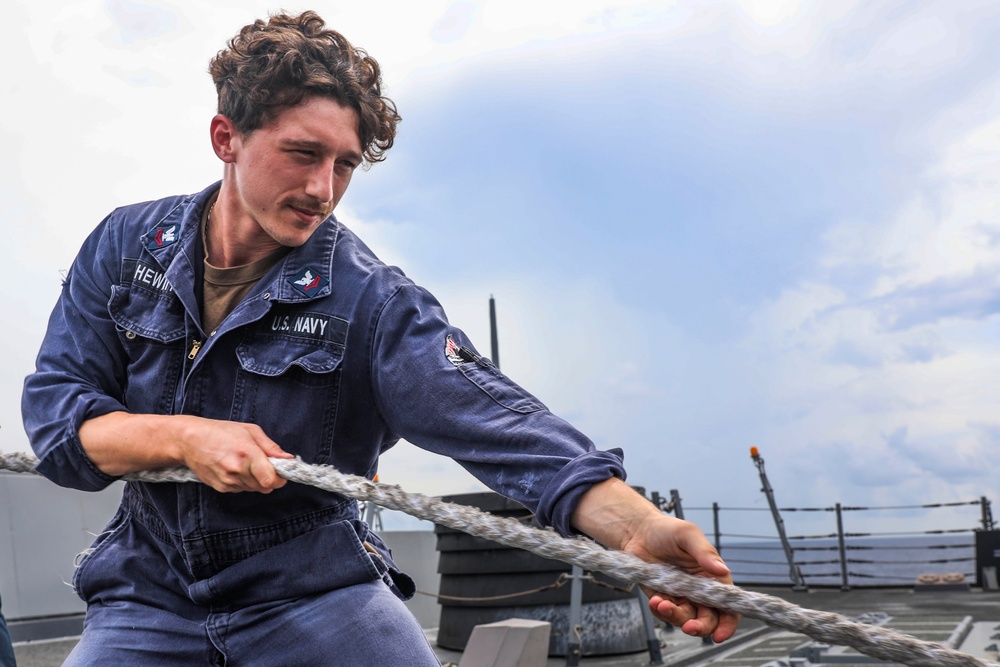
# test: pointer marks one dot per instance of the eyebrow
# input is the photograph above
(318, 146)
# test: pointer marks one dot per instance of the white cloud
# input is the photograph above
(894, 376)
(771, 12)
(890, 333)
(946, 228)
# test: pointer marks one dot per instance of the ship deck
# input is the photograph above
(970, 619)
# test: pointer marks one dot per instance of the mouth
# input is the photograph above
(309, 215)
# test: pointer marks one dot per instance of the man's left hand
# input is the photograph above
(665, 539)
(616, 516)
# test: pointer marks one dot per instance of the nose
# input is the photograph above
(321, 182)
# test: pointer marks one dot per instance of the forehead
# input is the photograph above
(317, 120)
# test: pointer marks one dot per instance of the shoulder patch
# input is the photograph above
(309, 282)
(459, 355)
(161, 237)
(451, 351)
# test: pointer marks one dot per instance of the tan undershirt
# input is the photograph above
(223, 289)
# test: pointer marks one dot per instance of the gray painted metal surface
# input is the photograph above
(42, 529)
(413, 551)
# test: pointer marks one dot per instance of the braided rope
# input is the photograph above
(877, 642)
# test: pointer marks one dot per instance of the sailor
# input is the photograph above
(246, 321)
(6, 649)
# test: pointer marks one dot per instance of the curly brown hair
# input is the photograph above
(272, 66)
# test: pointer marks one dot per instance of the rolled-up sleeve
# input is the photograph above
(79, 372)
(437, 392)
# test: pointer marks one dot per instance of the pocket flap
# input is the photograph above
(272, 358)
(159, 316)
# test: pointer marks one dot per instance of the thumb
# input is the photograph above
(706, 555)
(274, 450)
(715, 566)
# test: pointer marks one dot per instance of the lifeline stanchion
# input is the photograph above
(874, 641)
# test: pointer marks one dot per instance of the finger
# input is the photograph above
(225, 482)
(705, 622)
(685, 611)
(262, 476)
(675, 611)
(223, 487)
(727, 627)
(237, 479)
(661, 609)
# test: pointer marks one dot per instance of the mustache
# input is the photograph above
(311, 205)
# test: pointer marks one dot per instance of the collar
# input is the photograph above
(303, 274)
(306, 271)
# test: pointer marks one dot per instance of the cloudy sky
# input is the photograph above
(708, 225)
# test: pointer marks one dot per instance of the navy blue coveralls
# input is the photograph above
(336, 356)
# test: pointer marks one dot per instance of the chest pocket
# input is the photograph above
(150, 327)
(290, 387)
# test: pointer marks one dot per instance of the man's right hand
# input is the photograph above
(228, 456)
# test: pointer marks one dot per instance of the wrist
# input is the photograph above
(613, 513)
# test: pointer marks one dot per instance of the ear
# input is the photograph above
(225, 138)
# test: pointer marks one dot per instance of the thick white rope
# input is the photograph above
(877, 642)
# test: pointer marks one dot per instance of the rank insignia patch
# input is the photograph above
(309, 282)
(161, 237)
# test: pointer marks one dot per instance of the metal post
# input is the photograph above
(844, 585)
(373, 515)
(652, 641)
(675, 502)
(494, 343)
(574, 640)
(984, 505)
(715, 521)
(658, 502)
(798, 583)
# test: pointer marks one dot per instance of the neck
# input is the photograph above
(232, 237)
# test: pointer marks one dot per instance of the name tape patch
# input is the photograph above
(136, 271)
(316, 326)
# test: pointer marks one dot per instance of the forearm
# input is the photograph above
(522, 450)
(228, 456)
(119, 443)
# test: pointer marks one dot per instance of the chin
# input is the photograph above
(297, 239)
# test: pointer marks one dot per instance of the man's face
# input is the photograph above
(290, 174)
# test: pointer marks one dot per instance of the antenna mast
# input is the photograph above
(798, 582)
(494, 343)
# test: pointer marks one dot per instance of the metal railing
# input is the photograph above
(846, 558)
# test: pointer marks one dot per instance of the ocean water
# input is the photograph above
(874, 561)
